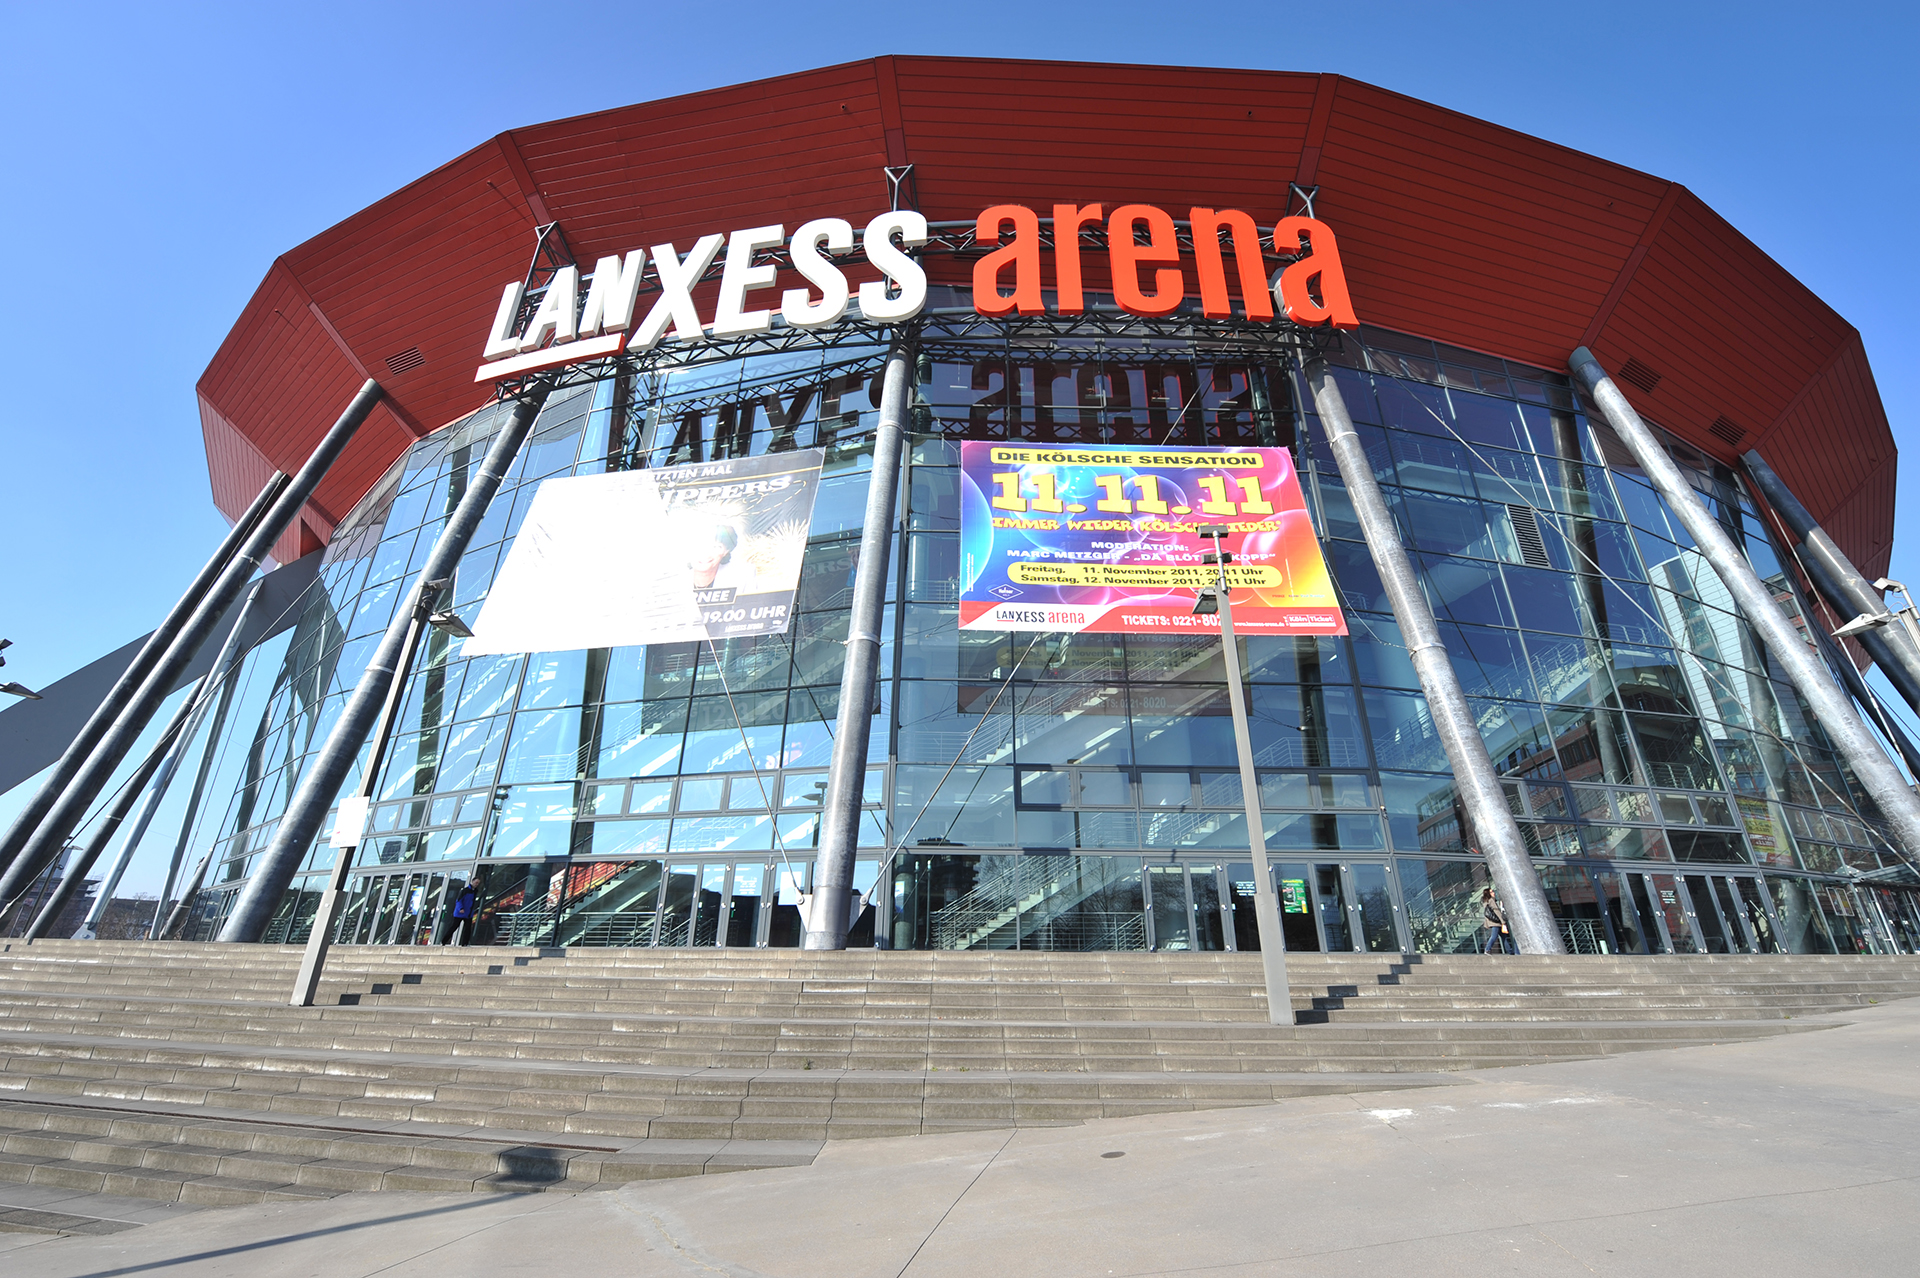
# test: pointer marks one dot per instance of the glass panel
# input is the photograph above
(1330, 900)
(1576, 908)
(1677, 912)
(514, 908)
(392, 893)
(1044, 903)
(702, 794)
(1374, 897)
(347, 929)
(610, 903)
(706, 913)
(1240, 897)
(1706, 913)
(1803, 930)
(534, 821)
(1842, 910)
(1208, 926)
(408, 924)
(1736, 918)
(1622, 915)
(743, 913)
(1443, 904)
(677, 904)
(783, 926)
(1168, 891)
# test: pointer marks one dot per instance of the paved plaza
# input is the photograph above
(1792, 1155)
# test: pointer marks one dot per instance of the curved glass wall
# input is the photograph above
(1080, 792)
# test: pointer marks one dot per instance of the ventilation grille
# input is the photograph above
(406, 360)
(1634, 373)
(1724, 428)
(1526, 531)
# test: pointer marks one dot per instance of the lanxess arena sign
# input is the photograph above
(1145, 257)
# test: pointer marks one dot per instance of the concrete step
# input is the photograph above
(179, 1071)
(211, 1155)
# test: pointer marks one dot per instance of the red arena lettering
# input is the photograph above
(1023, 254)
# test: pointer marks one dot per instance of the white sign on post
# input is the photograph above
(351, 824)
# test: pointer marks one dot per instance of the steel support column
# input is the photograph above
(320, 784)
(1863, 696)
(132, 717)
(200, 698)
(1880, 643)
(827, 920)
(1848, 732)
(1529, 916)
(84, 860)
(130, 679)
(1845, 587)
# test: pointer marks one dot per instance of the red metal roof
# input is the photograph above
(1450, 227)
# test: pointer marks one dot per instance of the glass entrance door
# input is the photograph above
(1756, 907)
(1673, 914)
(1325, 907)
(1183, 906)
(1716, 933)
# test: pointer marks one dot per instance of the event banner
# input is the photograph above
(696, 551)
(1108, 540)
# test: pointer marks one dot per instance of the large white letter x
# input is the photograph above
(675, 306)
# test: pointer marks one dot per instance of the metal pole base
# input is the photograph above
(1273, 958)
(314, 961)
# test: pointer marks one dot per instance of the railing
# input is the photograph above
(1036, 902)
(527, 926)
(995, 901)
(624, 928)
(1449, 933)
(1585, 936)
(1088, 930)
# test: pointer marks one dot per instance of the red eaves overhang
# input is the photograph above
(1450, 228)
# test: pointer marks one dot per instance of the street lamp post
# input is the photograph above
(1905, 614)
(1266, 903)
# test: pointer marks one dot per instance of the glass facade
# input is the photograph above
(1047, 791)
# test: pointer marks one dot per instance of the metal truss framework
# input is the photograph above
(957, 332)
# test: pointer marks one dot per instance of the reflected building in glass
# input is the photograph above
(1080, 792)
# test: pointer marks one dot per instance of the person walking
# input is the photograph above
(1494, 920)
(463, 906)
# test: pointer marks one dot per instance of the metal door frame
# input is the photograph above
(1652, 890)
(1146, 898)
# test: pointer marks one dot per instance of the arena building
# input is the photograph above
(1675, 788)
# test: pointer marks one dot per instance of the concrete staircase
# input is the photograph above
(178, 1072)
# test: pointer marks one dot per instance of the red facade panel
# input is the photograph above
(1450, 227)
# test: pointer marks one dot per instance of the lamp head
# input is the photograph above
(1859, 625)
(449, 622)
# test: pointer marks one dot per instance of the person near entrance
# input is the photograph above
(1494, 920)
(463, 907)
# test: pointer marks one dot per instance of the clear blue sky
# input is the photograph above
(160, 157)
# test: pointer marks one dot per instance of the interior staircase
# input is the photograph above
(178, 1072)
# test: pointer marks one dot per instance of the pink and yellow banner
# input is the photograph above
(1079, 538)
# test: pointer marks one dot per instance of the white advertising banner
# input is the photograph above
(696, 551)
